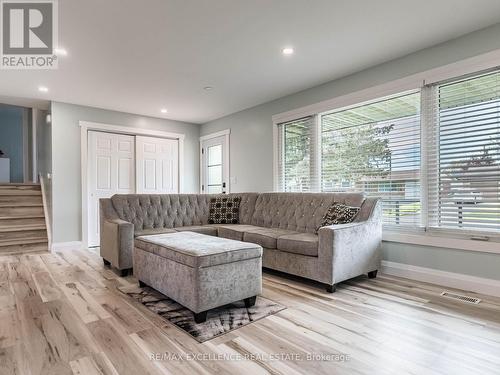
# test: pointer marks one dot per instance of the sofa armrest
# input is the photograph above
(117, 243)
(352, 249)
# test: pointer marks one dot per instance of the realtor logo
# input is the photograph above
(29, 34)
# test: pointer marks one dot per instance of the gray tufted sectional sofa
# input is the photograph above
(284, 224)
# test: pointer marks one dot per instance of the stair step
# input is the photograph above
(22, 220)
(20, 192)
(20, 186)
(13, 199)
(20, 228)
(24, 245)
(22, 241)
(19, 235)
(20, 204)
(15, 211)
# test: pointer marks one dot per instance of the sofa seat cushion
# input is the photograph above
(151, 231)
(299, 243)
(266, 237)
(210, 230)
(235, 231)
(197, 250)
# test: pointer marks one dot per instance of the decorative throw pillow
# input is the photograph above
(224, 210)
(338, 213)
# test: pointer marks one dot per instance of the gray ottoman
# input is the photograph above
(198, 271)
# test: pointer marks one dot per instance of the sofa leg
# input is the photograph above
(200, 317)
(249, 302)
(372, 274)
(331, 288)
(124, 272)
(106, 262)
(142, 284)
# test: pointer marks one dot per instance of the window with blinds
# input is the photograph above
(464, 159)
(449, 181)
(295, 140)
(375, 148)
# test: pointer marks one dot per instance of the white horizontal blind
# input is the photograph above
(464, 156)
(375, 148)
(297, 170)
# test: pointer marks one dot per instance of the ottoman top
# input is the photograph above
(198, 250)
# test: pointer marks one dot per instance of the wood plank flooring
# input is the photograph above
(60, 313)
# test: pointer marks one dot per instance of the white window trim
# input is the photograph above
(413, 82)
(226, 133)
(85, 126)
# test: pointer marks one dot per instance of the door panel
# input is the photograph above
(111, 170)
(157, 165)
(214, 163)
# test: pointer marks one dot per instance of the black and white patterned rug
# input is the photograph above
(219, 321)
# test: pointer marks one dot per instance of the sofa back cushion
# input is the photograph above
(301, 212)
(149, 211)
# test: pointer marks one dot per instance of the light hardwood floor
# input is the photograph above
(61, 313)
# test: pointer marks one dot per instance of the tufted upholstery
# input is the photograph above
(283, 223)
(146, 211)
(298, 211)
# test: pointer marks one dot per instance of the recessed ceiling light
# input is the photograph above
(60, 52)
(208, 88)
(287, 51)
(43, 89)
(163, 110)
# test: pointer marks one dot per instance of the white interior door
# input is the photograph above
(214, 165)
(111, 170)
(157, 165)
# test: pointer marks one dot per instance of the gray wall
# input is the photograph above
(11, 139)
(66, 182)
(252, 139)
(451, 260)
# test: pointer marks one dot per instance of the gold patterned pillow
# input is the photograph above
(224, 210)
(338, 213)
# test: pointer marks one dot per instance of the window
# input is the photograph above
(375, 148)
(295, 149)
(466, 168)
(433, 154)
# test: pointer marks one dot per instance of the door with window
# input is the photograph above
(215, 165)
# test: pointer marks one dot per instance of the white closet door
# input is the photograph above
(111, 170)
(157, 165)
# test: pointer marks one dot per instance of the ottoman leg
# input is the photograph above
(200, 317)
(249, 302)
(142, 284)
(331, 288)
(106, 262)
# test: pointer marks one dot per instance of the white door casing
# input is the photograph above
(111, 170)
(214, 163)
(157, 163)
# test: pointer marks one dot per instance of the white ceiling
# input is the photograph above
(139, 56)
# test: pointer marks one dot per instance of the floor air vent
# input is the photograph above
(459, 297)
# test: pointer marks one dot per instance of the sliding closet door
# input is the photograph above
(111, 170)
(157, 165)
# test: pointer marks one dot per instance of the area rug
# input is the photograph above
(219, 321)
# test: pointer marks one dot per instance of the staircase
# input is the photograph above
(22, 219)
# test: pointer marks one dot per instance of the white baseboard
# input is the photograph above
(448, 279)
(73, 245)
